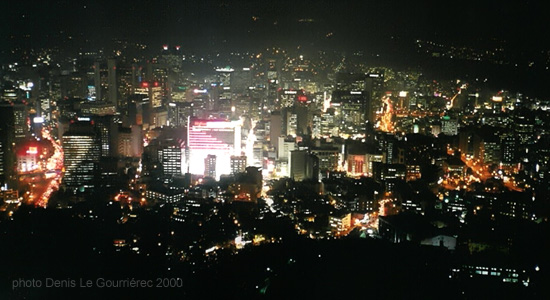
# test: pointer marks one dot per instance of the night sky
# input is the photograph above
(353, 24)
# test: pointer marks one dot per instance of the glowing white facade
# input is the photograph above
(213, 137)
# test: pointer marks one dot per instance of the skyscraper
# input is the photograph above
(238, 164)
(210, 166)
(112, 87)
(82, 150)
(7, 143)
(171, 160)
(303, 165)
(216, 137)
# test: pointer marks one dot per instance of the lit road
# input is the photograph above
(481, 172)
(42, 189)
(386, 123)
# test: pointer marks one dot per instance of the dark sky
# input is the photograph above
(353, 23)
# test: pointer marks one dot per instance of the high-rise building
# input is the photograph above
(210, 166)
(238, 164)
(82, 151)
(509, 149)
(129, 141)
(20, 116)
(275, 128)
(449, 126)
(328, 158)
(284, 147)
(112, 86)
(97, 81)
(171, 158)
(7, 143)
(221, 138)
(303, 165)
(353, 110)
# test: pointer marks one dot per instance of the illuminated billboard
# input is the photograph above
(221, 138)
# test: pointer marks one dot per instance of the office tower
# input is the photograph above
(272, 73)
(210, 166)
(241, 80)
(387, 143)
(303, 165)
(170, 158)
(466, 142)
(97, 81)
(284, 146)
(353, 110)
(20, 116)
(238, 164)
(275, 128)
(112, 87)
(7, 144)
(449, 126)
(82, 151)
(509, 149)
(129, 141)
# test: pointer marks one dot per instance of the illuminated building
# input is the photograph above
(340, 223)
(328, 158)
(413, 172)
(387, 143)
(224, 80)
(129, 142)
(328, 126)
(394, 171)
(273, 70)
(7, 143)
(316, 126)
(163, 195)
(284, 147)
(107, 128)
(238, 164)
(356, 164)
(170, 158)
(82, 151)
(493, 271)
(352, 110)
(210, 166)
(153, 90)
(97, 81)
(490, 150)
(454, 203)
(27, 159)
(45, 108)
(509, 150)
(112, 82)
(20, 116)
(449, 126)
(466, 142)
(212, 137)
(98, 108)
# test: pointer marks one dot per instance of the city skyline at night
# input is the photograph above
(281, 149)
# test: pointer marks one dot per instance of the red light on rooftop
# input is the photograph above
(156, 83)
(145, 84)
